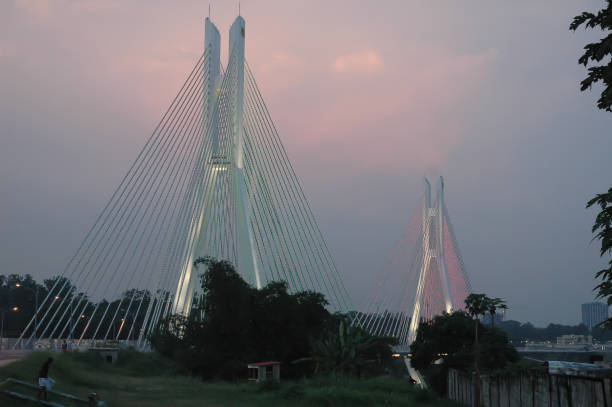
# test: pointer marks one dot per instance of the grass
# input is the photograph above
(148, 380)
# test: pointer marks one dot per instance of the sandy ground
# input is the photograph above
(7, 357)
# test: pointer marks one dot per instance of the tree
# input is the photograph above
(476, 305)
(23, 294)
(450, 338)
(602, 228)
(222, 343)
(232, 324)
(167, 334)
(480, 304)
(596, 52)
(494, 305)
(450, 335)
(349, 349)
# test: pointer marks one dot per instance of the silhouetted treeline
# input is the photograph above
(238, 324)
(19, 292)
(84, 318)
(519, 332)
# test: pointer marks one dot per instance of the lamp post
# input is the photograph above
(35, 292)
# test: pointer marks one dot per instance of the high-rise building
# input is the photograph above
(498, 318)
(593, 313)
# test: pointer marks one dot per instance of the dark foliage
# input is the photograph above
(600, 52)
(18, 293)
(233, 324)
(19, 296)
(449, 339)
(166, 336)
(348, 349)
(495, 351)
(602, 228)
(449, 334)
(597, 52)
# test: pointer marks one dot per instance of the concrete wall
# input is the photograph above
(531, 390)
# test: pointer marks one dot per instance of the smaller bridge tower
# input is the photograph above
(425, 277)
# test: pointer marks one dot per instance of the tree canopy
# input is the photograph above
(233, 324)
(450, 337)
(448, 341)
(596, 53)
(602, 229)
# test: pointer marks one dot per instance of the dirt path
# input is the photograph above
(7, 357)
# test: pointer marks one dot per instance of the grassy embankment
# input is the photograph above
(140, 380)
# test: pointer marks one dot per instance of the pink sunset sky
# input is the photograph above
(368, 98)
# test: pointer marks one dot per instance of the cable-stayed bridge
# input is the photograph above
(212, 180)
(425, 277)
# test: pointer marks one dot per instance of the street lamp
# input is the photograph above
(35, 292)
(14, 309)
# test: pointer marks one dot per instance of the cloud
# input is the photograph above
(170, 60)
(365, 62)
(280, 61)
(408, 119)
(94, 6)
(36, 9)
(7, 50)
(41, 10)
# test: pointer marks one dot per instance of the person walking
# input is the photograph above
(44, 381)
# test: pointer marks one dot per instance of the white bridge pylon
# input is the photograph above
(425, 277)
(214, 180)
(231, 162)
(433, 254)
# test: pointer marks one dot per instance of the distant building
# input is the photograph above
(497, 318)
(566, 340)
(593, 313)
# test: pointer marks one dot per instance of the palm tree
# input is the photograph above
(349, 350)
(494, 305)
(476, 305)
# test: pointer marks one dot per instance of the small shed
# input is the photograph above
(110, 355)
(261, 371)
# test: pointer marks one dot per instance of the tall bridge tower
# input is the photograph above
(229, 160)
(213, 179)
